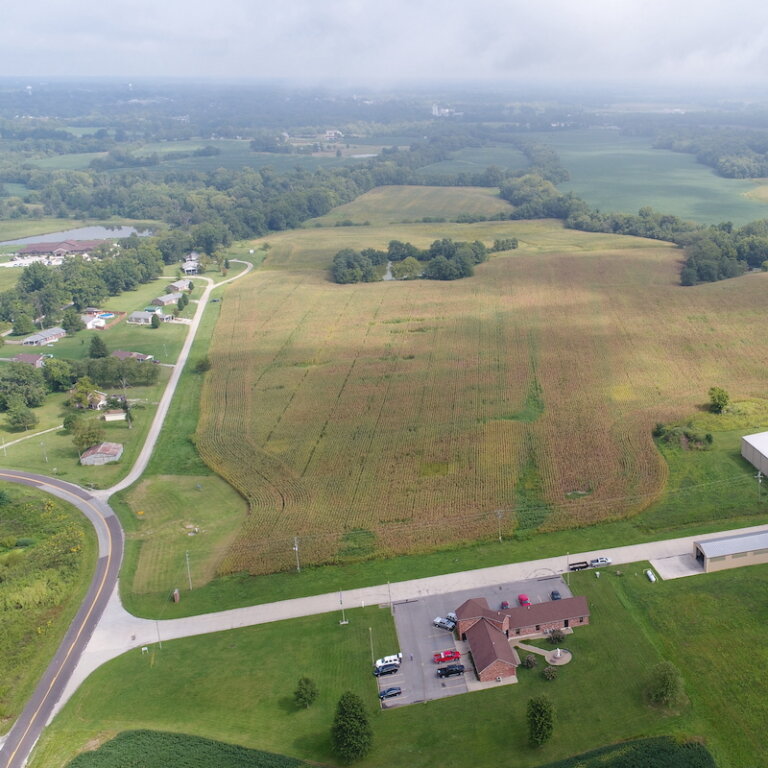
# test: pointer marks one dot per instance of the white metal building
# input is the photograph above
(732, 551)
(754, 448)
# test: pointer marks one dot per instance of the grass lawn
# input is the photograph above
(236, 686)
(30, 637)
(197, 515)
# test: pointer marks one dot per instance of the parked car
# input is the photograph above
(504, 605)
(555, 595)
(395, 658)
(600, 561)
(442, 656)
(452, 617)
(388, 693)
(387, 669)
(451, 670)
(650, 575)
(441, 623)
(523, 600)
(579, 566)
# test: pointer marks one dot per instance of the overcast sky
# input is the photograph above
(384, 41)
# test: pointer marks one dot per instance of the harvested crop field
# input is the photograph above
(394, 417)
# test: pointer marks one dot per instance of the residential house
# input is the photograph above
(167, 300)
(190, 267)
(122, 354)
(48, 336)
(179, 285)
(92, 322)
(37, 361)
(142, 317)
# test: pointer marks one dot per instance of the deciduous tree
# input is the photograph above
(718, 399)
(305, 693)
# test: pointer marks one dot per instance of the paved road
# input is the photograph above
(47, 697)
(26, 730)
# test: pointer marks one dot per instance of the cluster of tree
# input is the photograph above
(42, 292)
(684, 436)
(540, 714)
(445, 259)
(734, 153)
(60, 375)
(723, 251)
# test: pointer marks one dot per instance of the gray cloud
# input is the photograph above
(370, 40)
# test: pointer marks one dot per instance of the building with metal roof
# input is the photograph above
(754, 448)
(732, 551)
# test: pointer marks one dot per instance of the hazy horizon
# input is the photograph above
(673, 44)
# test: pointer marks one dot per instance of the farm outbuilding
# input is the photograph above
(103, 453)
(732, 551)
(754, 448)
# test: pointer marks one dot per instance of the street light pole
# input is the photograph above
(189, 574)
(499, 515)
(296, 550)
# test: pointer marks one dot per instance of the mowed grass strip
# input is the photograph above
(236, 686)
(329, 407)
(179, 516)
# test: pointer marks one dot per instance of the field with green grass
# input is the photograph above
(600, 696)
(47, 555)
(620, 173)
(396, 205)
(476, 160)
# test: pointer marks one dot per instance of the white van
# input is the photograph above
(395, 658)
(651, 575)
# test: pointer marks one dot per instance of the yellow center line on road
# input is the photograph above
(18, 478)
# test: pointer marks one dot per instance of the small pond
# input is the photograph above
(82, 233)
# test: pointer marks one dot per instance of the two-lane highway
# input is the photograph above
(33, 718)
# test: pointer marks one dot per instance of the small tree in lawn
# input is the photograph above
(665, 687)
(541, 720)
(97, 347)
(351, 734)
(155, 321)
(718, 399)
(529, 662)
(87, 432)
(20, 416)
(305, 693)
(550, 673)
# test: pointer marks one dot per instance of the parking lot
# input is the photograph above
(419, 639)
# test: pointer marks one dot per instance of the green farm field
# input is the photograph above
(620, 173)
(396, 204)
(476, 160)
(600, 695)
(398, 417)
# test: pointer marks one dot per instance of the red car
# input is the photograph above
(523, 600)
(444, 656)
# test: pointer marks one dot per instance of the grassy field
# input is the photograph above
(394, 205)
(476, 160)
(41, 586)
(624, 173)
(600, 696)
(406, 414)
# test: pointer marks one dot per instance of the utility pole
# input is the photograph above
(759, 477)
(189, 574)
(370, 638)
(567, 568)
(296, 550)
(45, 453)
(499, 515)
(341, 603)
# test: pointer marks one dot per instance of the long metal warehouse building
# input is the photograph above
(754, 448)
(732, 551)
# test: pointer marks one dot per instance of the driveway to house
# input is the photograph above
(165, 401)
